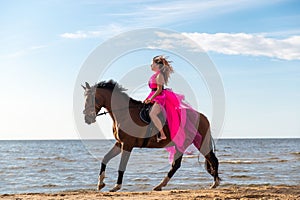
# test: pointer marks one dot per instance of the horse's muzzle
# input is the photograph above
(89, 119)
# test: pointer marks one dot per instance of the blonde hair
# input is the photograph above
(164, 66)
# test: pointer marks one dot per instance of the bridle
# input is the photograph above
(90, 109)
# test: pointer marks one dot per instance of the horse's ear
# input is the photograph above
(83, 87)
(87, 85)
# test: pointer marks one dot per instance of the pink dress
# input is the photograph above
(182, 127)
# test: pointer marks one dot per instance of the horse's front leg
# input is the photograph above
(126, 151)
(175, 166)
(116, 150)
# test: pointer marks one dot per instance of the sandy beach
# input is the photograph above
(228, 192)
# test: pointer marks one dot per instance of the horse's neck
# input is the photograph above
(117, 105)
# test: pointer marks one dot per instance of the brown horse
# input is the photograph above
(130, 131)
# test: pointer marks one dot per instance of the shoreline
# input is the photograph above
(225, 192)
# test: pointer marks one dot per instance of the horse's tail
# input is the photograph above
(213, 145)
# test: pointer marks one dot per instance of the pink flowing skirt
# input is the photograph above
(182, 120)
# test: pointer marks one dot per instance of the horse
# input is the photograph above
(130, 132)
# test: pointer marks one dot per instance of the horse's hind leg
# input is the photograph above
(212, 165)
(206, 148)
(175, 166)
(116, 150)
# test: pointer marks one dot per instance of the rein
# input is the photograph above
(105, 112)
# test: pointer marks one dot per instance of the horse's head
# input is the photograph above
(92, 105)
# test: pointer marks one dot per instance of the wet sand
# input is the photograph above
(223, 192)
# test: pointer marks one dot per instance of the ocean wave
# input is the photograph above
(16, 167)
(69, 178)
(43, 171)
(55, 158)
(190, 156)
(22, 158)
(251, 161)
(240, 170)
(225, 155)
(41, 164)
(241, 162)
(49, 186)
(242, 177)
(140, 179)
(64, 159)
(297, 153)
(273, 158)
(281, 160)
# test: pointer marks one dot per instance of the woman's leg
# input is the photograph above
(155, 110)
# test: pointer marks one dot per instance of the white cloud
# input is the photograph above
(104, 31)
(224, 43)
(249, 44)
(172, 41)
(232, 44)
(76, 35)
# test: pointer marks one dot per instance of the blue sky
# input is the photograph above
(255, 45)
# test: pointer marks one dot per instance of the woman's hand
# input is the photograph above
(146, 101)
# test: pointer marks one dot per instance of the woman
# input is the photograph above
(182, 127)
(162, 69)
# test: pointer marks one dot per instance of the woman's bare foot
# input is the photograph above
(162, 137)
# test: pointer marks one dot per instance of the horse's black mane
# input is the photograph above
(116, 87)
(111, 85)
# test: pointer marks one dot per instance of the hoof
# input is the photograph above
(116, 188)
(157, 188)
(215, 184)
(100, 186)
(162, 184)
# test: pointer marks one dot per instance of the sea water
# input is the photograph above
(52, 166)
